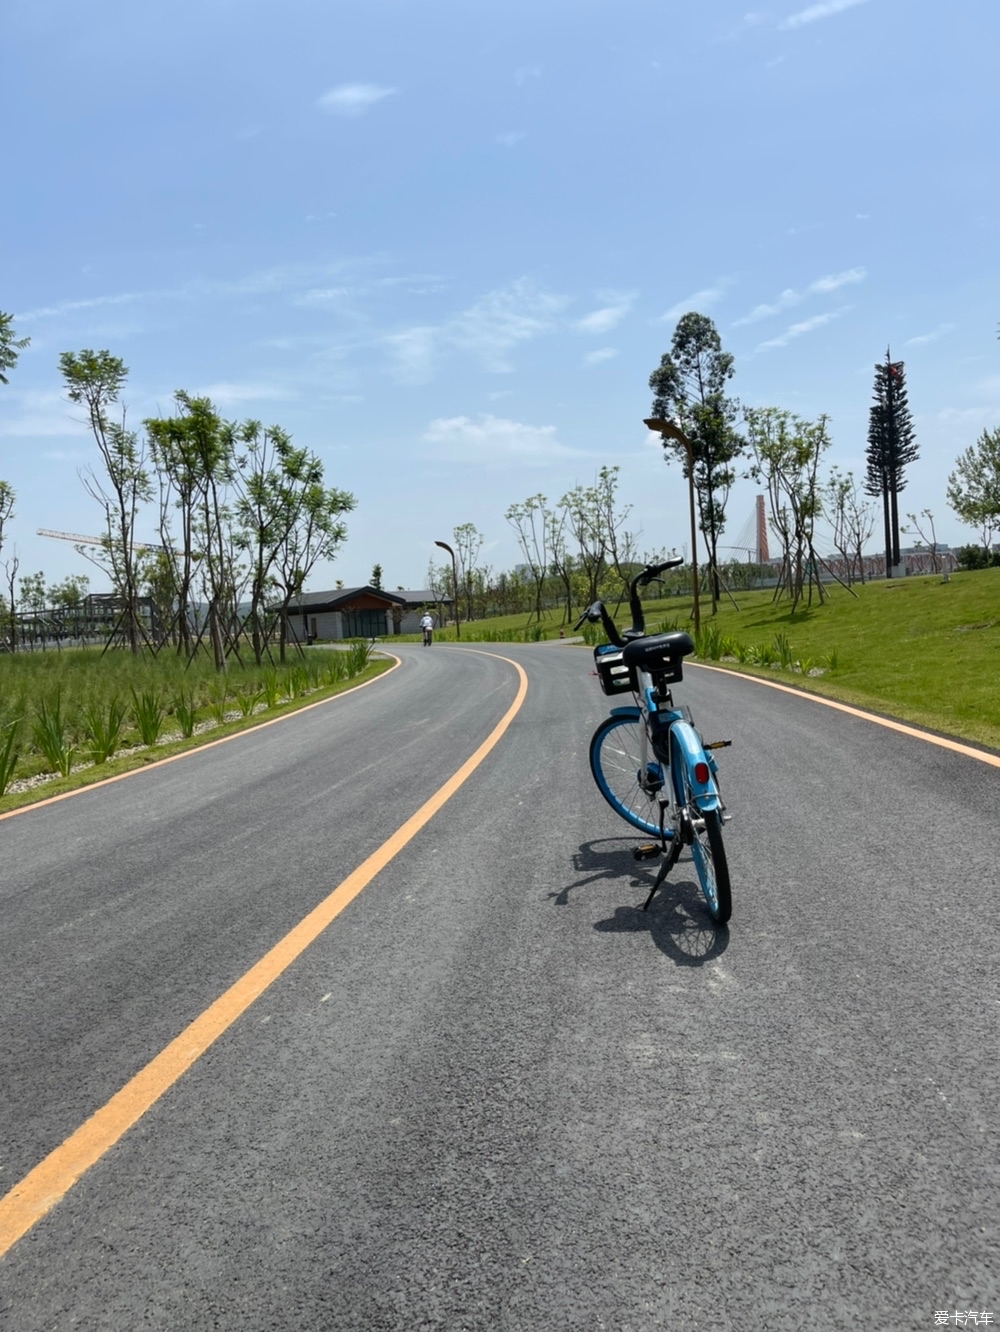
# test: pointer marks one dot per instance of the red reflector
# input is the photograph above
(701, 773)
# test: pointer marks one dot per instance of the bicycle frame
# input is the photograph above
(676, 770)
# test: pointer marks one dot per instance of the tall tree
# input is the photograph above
(851, 518)
(468, 543)
(10, 347)
(194, 452)
(315, 530)
(690, 387)
(376, 581)
(891, 448)
(974, 487)
(786, 457)
(597, 525)
(531, 523)
(95, 380)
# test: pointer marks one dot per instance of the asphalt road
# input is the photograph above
(493, 1094)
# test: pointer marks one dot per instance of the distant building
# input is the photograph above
(360, 612)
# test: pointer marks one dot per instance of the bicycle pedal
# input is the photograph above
(648, 851)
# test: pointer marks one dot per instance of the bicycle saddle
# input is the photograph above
(656, 649)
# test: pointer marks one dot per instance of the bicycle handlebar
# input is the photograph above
(598, 611)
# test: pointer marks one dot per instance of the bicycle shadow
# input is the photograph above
(677, 921)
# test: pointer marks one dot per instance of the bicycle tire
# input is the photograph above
(614, 762)
(707, 849)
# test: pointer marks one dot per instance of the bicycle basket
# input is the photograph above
(614, 675)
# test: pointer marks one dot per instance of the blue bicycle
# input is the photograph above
(648, 760)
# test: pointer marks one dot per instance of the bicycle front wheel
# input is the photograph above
(615, 761)
(707, 850)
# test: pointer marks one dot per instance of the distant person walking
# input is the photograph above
(427, 625)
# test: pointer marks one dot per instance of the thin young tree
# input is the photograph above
(468, 543)
(689, 387)
(8, 498)
(974, 487)
(95, 380)
(530, 520)
(786, 455)
(891, 448)
(851, 518)
(314, 530)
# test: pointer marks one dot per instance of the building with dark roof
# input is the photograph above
(361, 612)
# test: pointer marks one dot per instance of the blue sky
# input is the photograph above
(444, 244)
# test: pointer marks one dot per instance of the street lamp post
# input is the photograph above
(673, 431)
(454, 583)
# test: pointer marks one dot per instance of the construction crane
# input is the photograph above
(79, 540)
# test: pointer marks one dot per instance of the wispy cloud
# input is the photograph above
(922, 339)
(227, 394)
(791, 297)
(601, 354)
(43, 414)
(353, 99)
(825, 9)
(526, 72)
(608, 316)
(414, 352)
(510, 138)
(495, 441)
(698, 300)
(800, 329)
(501, 320)
(68, 307)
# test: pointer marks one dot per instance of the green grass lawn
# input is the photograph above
(920, 649)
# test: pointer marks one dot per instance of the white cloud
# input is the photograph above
(806, 326)
(607, 317)
(494, 440)
(526, 72)
(826, 9)
(67, 307)
(790, 297)
(414, 350)
(923, 338)
(226, 394)
(602, 354)
(699, 300)
(43, 414)
(501, 320)
(511, 137)
(352, 99)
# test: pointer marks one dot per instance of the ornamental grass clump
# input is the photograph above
(51, 734)
(217, 705)
(271, 688)
(185, 713)
(10, 752)
(103, 726)
(149, 714)
(247, 700)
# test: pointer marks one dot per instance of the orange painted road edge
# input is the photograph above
(200, 749)
(954, 745)
(50, 1180)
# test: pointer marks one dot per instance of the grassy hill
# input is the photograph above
(921, 649)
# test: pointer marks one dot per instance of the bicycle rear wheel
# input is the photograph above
(615, 763)
(707, 850)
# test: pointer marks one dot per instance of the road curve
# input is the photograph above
(494, 1094)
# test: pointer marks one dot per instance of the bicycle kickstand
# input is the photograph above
(669, 861)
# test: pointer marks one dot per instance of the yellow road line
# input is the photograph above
(200, 749)
(954, 745)
(49, 1181)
